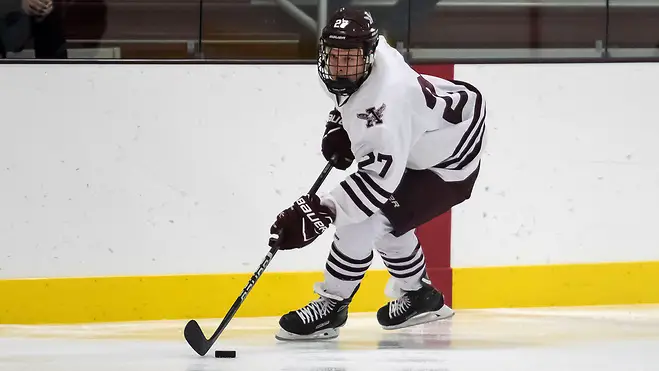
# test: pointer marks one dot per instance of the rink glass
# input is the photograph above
(264, 31)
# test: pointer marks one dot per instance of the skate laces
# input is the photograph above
(399, 306)
(316, 310)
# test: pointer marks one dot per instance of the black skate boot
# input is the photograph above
(318, 320)
(414, 308)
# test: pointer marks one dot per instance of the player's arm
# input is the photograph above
(464, 111)
(382, 154)
(382, 150)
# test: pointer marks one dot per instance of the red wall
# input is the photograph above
(435, 236)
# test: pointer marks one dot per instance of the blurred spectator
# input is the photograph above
(39, 20)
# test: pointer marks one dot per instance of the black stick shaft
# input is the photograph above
(264, 264)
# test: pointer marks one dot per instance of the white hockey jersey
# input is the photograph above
(399, 119)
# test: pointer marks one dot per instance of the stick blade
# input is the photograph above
(195, 337)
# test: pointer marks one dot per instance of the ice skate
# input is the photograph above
(318, 320)
(414, 308)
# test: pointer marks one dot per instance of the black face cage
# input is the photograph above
(345, 83)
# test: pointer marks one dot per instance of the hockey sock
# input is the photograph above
(343, 273)
(406, 270)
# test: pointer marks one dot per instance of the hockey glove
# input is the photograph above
(300, 224)
(337, 142)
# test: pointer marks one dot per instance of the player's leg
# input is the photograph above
(416, 300)
(421, 196)
(350, 256)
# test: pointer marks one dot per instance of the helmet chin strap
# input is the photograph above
(341, 99)
(344, 81)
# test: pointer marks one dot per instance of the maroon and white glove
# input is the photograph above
(336, 143)
(300, 224)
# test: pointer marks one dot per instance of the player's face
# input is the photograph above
(348, 63)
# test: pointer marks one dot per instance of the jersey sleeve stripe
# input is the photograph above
(472, 147)
(377, 203)
(474, 121)
(477, 135)
(373, 184)
(364, 194)
(461, 149)
(355, 199)
(474, 151)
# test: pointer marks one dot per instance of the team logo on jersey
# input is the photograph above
(372, 115)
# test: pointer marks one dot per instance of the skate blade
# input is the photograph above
(443, 313)
(327, 334)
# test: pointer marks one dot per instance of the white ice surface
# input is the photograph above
(593, 338)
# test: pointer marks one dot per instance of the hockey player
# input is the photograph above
(418, 140)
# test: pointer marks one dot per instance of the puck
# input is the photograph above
(225, 354)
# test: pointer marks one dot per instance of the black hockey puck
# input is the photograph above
(225, 354)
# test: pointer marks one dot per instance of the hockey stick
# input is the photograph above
(193, 332)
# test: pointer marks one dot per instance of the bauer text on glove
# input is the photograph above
(300, 224)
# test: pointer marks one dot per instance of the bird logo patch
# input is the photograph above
(372, 115)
